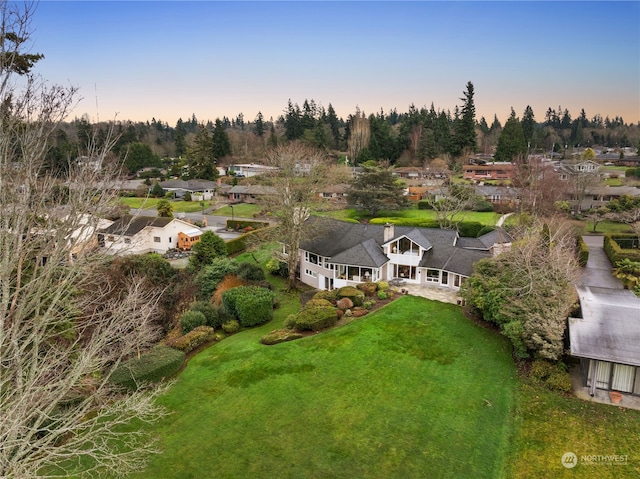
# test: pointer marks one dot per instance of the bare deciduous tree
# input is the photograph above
(360, 134)
(300, 175)
(62, 330)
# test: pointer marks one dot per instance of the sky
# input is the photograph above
(168, 60)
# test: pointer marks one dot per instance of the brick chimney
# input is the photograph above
(389, 232)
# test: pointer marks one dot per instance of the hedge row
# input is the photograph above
(153, 366)
(243, 224)
(239, 244)
(612, 246)
(468, 229)
(583, 252)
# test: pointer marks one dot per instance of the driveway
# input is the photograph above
(598, 270)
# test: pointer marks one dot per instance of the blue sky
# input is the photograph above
(166, 60)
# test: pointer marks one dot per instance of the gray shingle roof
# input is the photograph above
(609, 329)
(360, 244)
(130, 225)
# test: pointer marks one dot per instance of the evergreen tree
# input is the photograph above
(334, 125)
(465, 124)
(293, 123)
(202, 163)
(528, 124)
(511, 143)
(259, 125)
(180, 141)
(273, 139)
(221, 144)
(374, 190)
(484, 127)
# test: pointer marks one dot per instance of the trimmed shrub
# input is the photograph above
(231, 326)
(369, 304)
(318, 303)
(330, 296)
(619, 247)
(193, 339)
(278, 336)
(250, 272)
(153, 366)
(191, 320)
(315, 318)
(290, 322)
(353, 293)
(382, 295)
(210, 312)
(583, 252)
(250, 305)
(243, 224)
(383, 285)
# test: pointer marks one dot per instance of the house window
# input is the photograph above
(156, 239)
(308, 272)
(433, 275)
(311, 258)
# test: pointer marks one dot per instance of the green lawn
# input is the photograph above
(486, 218)
(413, 390)
(548, 425)
(178, 206)
(240, 210)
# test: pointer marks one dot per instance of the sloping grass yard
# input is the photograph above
(412, 390)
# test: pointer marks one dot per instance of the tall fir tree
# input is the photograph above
(511, 144)
(465, 124)
(259, 125)
(528, 124)
(221, 146)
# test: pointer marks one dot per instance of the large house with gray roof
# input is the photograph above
(342, 254)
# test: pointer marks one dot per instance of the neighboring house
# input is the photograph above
(335, 193)
(249, 193)
(567, 169)
(607, 339)
(247, 170)
(598, 196)
(417, 193)
(342, 254)
(198, 189)
(145, 234)
(418, 173)
(490, 171)
(498, 195)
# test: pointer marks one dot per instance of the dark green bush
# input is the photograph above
(153, 366)
(250, 272)
(382, 295)
(191, 320)
(250, 305)
(279, 336)
(243, 224)
(482, 205)
(210, 276)
(210, 313)
(619, 247)
(193, 339)
(424, 205)
(469, 229)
